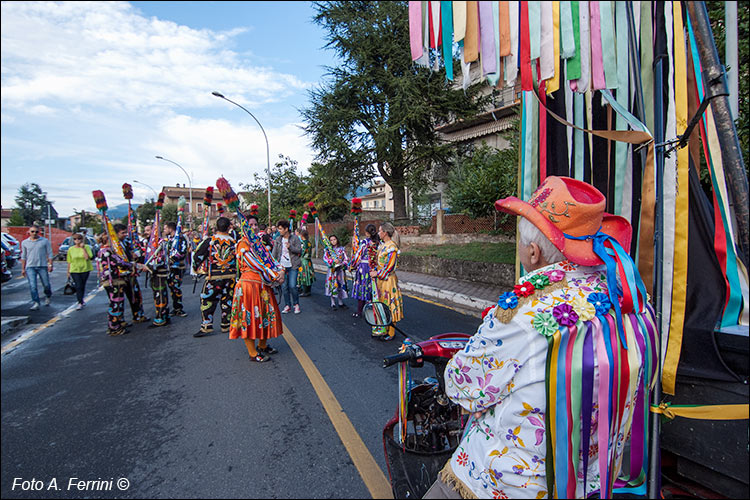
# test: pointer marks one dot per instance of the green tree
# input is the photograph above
(145, 212)
(480, 178)
(286, 190)
(328, 191)
(16, 219)
(378, 112)
(31, 200)
(169, 213)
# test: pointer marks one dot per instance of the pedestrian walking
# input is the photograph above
(36, 261)
(386, 279)
(306, 275)
(336, 260)
(287, 250)
(217, 255)
(80, 257)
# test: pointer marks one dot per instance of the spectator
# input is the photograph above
(35, 250)
(287, 251)
(79, 266)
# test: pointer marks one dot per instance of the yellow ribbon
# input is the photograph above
(703, 412)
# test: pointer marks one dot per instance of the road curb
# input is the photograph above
(460, 300)
(13, 323)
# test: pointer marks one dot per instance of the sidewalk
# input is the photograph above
(468, 296)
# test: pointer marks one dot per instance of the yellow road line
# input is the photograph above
(27, 335)
(368, 469)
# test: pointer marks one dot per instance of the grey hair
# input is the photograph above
(391, 231)
(529, 233)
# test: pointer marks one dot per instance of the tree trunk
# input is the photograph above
(399, 202)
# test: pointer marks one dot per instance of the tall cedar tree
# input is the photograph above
(377, 113)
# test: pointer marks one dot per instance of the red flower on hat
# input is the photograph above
(540, 198)
(524, 289)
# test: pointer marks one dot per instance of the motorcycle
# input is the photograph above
(427, 426)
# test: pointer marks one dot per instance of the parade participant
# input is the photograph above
(109, 267)
(157, 262)
(255, 313)
(336, 260)
(177, 251)
(287, 250)
(306, 276)
(217, 255)
(79, 259)
(386, 281)
(363, 285)
(132, 289)
(562, 367)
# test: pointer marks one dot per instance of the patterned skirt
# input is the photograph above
(389, 293)
(336, 283)
(255, 312)
(362, 287)
(306, 274)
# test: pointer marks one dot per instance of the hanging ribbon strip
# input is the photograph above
(707, 412)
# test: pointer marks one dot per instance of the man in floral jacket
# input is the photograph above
(562, 366)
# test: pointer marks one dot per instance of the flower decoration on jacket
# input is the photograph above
(160, 201)
(356, 206)
(127, 191)
(208, 197)
(220, 209)
(486, 310)
(539, 281)
(508, 300)
(313, 210)
(181, 202)
(524, 289)
(555, 275)
(254, 210)
(101, 201)
(545, 324)
(585, 309)
(293, 214)
(600, 302)
(565, 315)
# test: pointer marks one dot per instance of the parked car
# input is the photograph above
(13, 252)
(5, 274)
(62, 252)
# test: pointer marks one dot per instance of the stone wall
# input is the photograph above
(492, 273)
(433, 239)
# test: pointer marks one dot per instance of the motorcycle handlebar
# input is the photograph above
(407, 355)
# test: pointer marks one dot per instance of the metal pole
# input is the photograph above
(731, 59)
(190, 183)
(152, 189)
(716, 85)
(268, 150)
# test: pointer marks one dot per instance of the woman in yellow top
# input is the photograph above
(79, 266)
(386, 280)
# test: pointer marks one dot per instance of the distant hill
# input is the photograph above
(120, 211)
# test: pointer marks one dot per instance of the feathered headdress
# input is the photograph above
(254, 210)
(293, 214)
(160, 201)
(230, 197)
(101, 201)
(313, 210)
(181, 202)
(305, 216)
(356, 206)
(127, 191)
(220, 208)
(209, 196)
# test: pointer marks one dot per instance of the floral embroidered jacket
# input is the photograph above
(247, 260)
(216, 255)
(502, 371)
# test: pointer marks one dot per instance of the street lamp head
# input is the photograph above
(159, 158)
(218, 94)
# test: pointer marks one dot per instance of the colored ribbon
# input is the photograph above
(446, 14)
(705, 412)
(415, 29)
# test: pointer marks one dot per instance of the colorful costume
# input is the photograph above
(387, 281)
(217, 255)
(306, 275)
(336, 260)
(110, 266)
(177, 249)
(131, 287)
(360, 263)
(255, 312)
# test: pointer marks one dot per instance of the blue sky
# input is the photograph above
(92, 91)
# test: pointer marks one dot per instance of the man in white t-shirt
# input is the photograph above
(287, 250)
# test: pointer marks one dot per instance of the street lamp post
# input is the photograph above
(268, 154)
(190, 182)
(152, 189)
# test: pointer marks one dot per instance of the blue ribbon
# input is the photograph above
(611, 256)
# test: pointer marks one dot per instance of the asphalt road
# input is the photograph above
(183, 417)
(16, 298)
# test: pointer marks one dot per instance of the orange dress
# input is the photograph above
(255, 312)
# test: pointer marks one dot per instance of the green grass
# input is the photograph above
(504, 253)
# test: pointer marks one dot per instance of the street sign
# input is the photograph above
(49, 221)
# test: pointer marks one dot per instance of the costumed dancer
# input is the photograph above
(384, 275)
(334, 255)
(157, 262)
(111, 262)
(306, 276)
(128, 237)
(360, 262)
(255, 312)
(177, 251)
(217, 255)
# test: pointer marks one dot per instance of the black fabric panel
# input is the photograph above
(601, 167)
(705, 293)
(558, 156)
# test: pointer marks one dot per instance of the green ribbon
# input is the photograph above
(573, 65)
(621, 148)
(608, 45)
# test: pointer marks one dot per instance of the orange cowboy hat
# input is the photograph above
(562, 208)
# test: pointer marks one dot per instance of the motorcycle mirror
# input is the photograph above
(377, 314)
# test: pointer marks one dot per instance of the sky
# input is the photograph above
(92, 91)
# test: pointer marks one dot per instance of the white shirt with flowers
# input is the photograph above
(502, 371)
